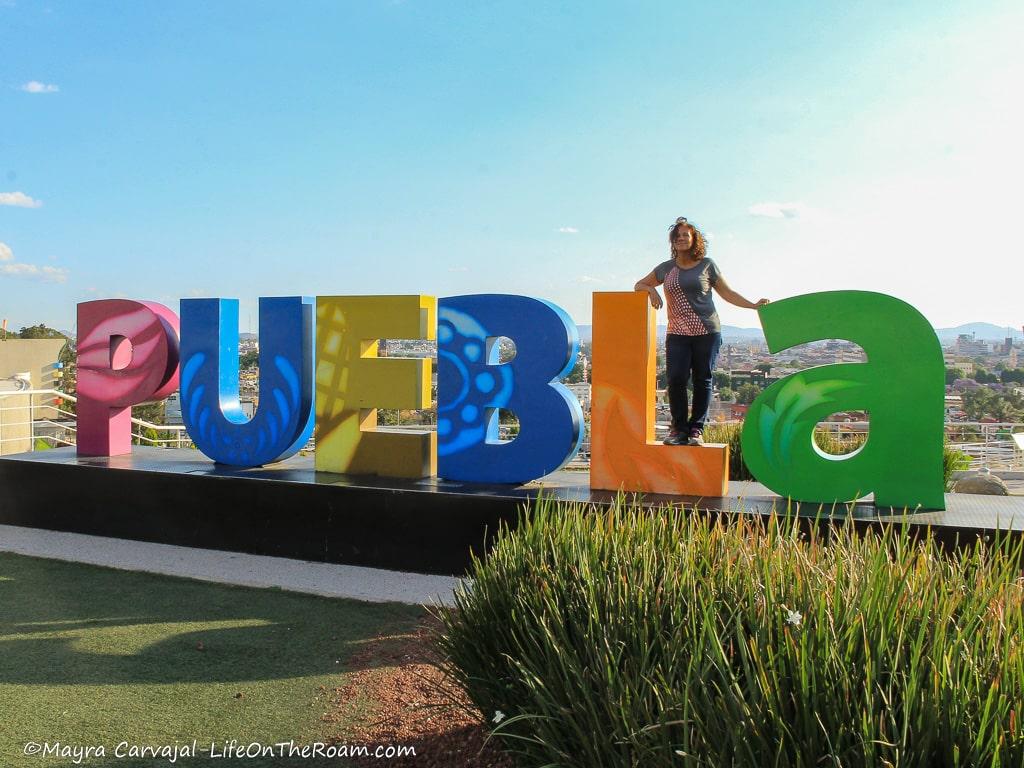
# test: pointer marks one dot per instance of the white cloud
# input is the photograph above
(19, 200)
(772, 210)
(568, 230)
(11, 268)
(458, 269)
(32, 272)
(34, 86)
(589, 279)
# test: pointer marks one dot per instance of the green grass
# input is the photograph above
(93, 656)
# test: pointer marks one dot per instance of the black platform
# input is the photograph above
(428, 526)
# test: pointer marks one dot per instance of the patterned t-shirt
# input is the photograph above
(691, 311)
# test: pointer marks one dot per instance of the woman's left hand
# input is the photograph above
(761, 303)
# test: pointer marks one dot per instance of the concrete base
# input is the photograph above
(288, 510)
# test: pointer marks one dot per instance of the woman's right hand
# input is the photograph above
(648, 284)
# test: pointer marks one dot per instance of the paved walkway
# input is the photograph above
(369, 584)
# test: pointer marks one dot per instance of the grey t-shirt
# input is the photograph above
(691, 311)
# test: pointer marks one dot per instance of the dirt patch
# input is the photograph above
(414, 704)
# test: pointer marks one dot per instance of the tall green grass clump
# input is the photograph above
(952, 461)
(624, 637)
(730, 435)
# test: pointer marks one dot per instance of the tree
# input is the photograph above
(151, 412)
(1013, 375)
(984, 377)
(40, 332)
(747, 393)
(952, 374)
(1005, 409)
(250, 359)
(576, 374)
(976, 402)
(722, 380)
(68, 358)
(765, 367)
(983, 403)
(726, 395)
(33, 332)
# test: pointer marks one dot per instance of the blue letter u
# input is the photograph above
(210, 407)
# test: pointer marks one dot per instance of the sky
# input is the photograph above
(166, 150)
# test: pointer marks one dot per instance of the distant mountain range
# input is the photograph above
(728, 332)
(982, 331)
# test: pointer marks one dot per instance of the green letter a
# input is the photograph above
(901, 386)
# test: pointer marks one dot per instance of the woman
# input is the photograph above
(694, 330)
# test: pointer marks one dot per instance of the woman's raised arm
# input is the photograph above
(727, 293)
(650, 284)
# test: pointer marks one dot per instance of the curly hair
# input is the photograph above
(699, 247)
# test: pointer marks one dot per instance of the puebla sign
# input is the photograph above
(319, 370)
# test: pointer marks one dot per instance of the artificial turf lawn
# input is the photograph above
(92, 655)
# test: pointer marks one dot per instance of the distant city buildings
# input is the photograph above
(744, 362)
(966, 344)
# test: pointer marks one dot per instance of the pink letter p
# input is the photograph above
(127, 355)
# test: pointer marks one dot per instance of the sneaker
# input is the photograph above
(675, 438)
(696, 437)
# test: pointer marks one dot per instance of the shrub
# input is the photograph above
(838, 444)
(730, 435)
(952, 461)
(631, 638)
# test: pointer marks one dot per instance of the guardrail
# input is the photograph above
(32, 418)
(992, 445)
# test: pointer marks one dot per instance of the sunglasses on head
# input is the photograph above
(680, 220)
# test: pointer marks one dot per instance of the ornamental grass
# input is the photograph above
(631, 637)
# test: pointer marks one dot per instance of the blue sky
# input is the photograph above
(165, 150)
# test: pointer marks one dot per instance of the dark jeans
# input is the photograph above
(684, 354)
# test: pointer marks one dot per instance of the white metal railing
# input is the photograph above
(987, 445)
(31, 418)
(990, 445)
(32, 415)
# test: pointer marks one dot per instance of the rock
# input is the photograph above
(982, 482)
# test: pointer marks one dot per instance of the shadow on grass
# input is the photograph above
(72, 624)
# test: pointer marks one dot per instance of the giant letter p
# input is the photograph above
(127, 355)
